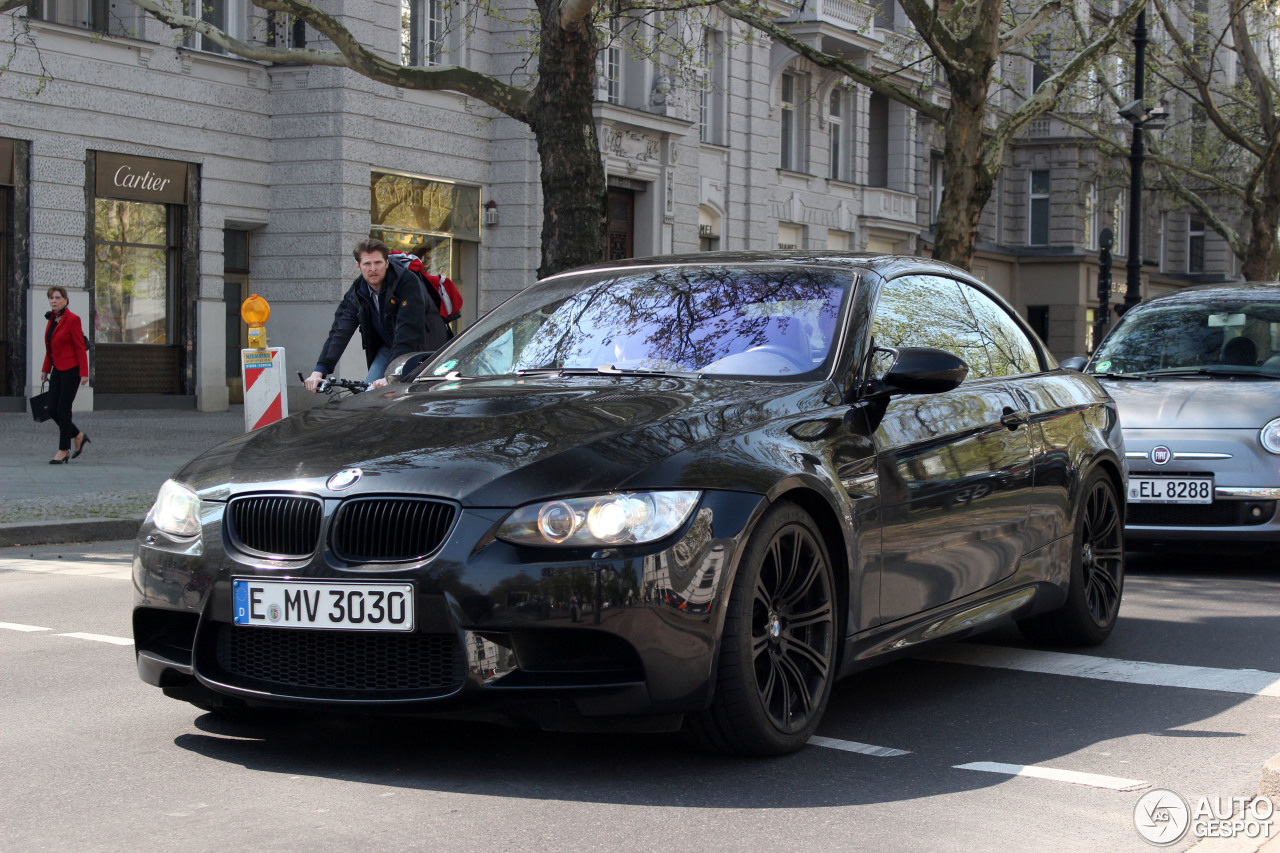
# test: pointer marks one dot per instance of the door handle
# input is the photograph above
(1014, 419)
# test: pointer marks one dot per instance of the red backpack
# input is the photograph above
(440, 290)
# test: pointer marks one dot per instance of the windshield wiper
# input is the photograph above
(614, 370)
(1211, 370)
(1122, 375)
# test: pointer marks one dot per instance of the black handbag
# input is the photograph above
(42, 406)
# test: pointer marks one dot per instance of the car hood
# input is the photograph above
(493, 442)
(1194, 403)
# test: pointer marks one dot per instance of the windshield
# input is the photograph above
(1195, 339)
(767, 322)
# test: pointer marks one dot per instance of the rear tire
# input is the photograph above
(1097, 573)
(778, 652)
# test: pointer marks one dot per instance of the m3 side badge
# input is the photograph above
(344, 479)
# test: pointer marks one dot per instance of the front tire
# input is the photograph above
(778, 652)
(1097, 573)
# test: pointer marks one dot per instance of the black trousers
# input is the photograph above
(63, 385)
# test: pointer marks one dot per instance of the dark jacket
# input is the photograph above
(402, 299)
(64, 347)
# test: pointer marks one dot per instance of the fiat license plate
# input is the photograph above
(342, 606)
(1170, 490)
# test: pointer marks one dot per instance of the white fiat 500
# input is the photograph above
(1196, 376)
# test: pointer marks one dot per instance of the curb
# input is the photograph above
(1270, 785)
(69, 530)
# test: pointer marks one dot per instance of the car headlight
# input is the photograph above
(1270, 436)
(176, 510)
(618, 519)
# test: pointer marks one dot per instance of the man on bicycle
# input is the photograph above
(387, 303)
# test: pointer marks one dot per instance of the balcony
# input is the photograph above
(842, 28)
(889, 206)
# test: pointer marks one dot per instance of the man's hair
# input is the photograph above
(373, 244)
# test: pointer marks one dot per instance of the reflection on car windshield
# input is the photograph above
(758, 322)
(1195, 340)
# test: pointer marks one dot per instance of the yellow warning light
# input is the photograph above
(255, 310)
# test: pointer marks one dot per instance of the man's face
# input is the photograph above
(374, 268)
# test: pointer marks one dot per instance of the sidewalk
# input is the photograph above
(105, 493)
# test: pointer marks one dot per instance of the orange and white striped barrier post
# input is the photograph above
(262, 369)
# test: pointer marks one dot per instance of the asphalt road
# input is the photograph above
(93, 759)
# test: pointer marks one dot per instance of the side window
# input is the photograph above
(1009, 349)
(927, 311)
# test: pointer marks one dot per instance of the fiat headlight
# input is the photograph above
(176, 510)
(618, 519)
(1270, 436)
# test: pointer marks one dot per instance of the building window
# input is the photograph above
(1038, 231)
(836, 114)
(878, 141)
(422, 32)
(285, 30)
(611, 62)
(837, 240)
(1195, 245)
(790, 236)
(711, 88)
(226, 15)
(1041, 65)
(1164, 227)
(114, 17)
(1091, 217)
(794, 96)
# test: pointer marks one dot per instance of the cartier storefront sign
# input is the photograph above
(141, 179)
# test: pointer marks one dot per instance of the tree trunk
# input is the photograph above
(966, 182)
(573, 182)
(1261, 262)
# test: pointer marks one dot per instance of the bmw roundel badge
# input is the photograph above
(344, 479)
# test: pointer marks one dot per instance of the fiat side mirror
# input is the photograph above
(1076, 363)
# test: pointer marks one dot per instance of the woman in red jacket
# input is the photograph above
(66, 368)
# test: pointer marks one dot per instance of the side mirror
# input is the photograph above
(403, 367)
(1076, 363)
(918, 370)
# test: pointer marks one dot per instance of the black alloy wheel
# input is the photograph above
(1097, 573)
(778, 652)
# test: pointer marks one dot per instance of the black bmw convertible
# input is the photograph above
(667, 493)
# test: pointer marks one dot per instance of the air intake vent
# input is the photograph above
(386, 530)
(285, 526)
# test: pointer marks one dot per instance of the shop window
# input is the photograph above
(1038, 221)
(790, 236)
(135, 255)
(708, 229)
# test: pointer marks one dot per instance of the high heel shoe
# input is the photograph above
(63, 461)
(80, 447)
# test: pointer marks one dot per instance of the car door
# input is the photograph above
(954, 468)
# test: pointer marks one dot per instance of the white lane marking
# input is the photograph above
(120, 568)
(854, 746)
(98, 638)
(1252, 682)
(1093, 780)
(14, 626)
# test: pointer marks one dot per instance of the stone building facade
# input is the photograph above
(161, 181)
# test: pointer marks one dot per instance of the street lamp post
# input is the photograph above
(1140, 117)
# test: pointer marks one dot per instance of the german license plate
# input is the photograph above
(333, 605)
(1170, 490)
